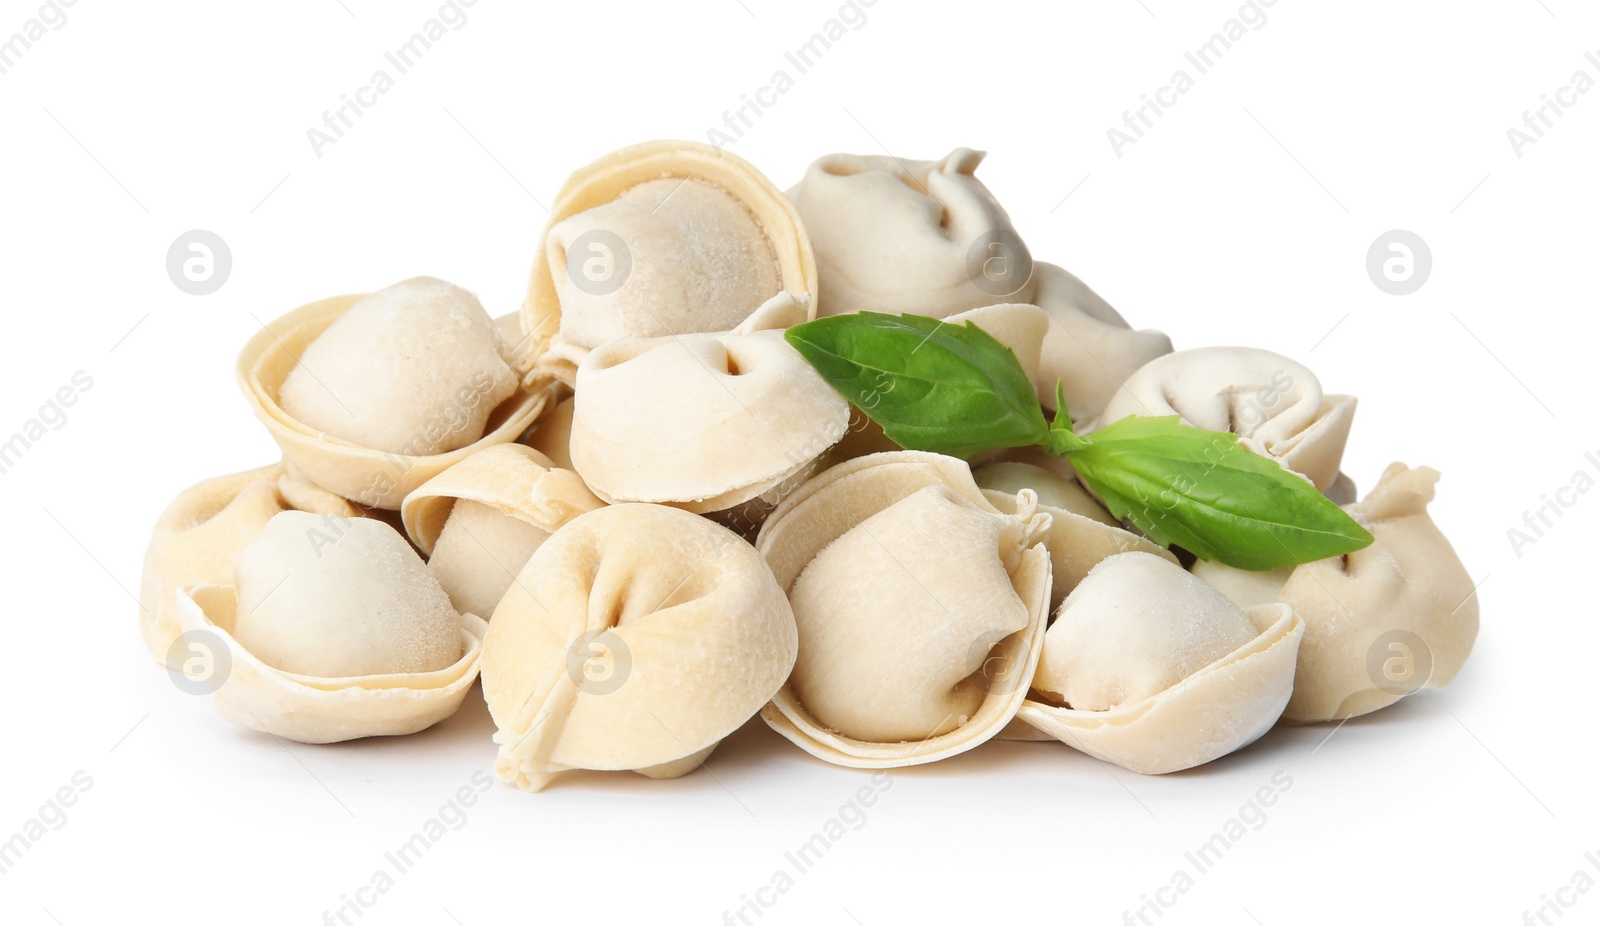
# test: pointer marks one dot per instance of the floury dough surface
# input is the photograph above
(695, 260)
(896, 236)
(1135, 627)
(1274, 404)
(635, 639)
(704, 422)
(415, 368)
(341, 597)
(900, 611)
(479, 553)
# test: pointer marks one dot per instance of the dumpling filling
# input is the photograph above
(899, 614)
(670, 256)
(1135, 627)
(415, 369)
(341, 597)
(479, 553)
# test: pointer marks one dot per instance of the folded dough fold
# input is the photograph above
(658, 239)
(1148, 668)
(1275, 405)
(1381, 623)
(920, 606)
(636, 638)
(198, 536)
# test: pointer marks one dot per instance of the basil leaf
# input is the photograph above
(1202, 491)
(1061, 442)
(954, 389)
(930, 385)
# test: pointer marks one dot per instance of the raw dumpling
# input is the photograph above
(198, 536)
(479, 521)
(1152, 670)
(1137, 625)
(415, 369)
(696, 261)
(1274, 404)
(1090, 349)
(660, 239)
(923, 237)
(1082, 534)
(637, 638)
(553, 435)
(479, 552)
(349, 368)
(1053, 489)
(704, 422)
(920, 608)
(339, 597)
(335, 631)
(1381, 623)
(876, 603)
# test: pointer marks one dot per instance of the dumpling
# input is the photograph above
(923, 237)
(1151, 669)
(414, 368)
(664, 238)
(1054, 489)
(928, 238)
(418, 369)
(331, 598)
(479, 521)
(920, 608)
(1090, 349)
(1082, 533)
(1139, 627)
(704, 422)
(637, 638)
(1274, 404)
(552, 436)
(198, 536)
(1381, 623)
(334, 631)
(697, 260)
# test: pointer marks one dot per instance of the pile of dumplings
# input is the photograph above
(642, 518)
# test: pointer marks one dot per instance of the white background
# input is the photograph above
(1243, 217)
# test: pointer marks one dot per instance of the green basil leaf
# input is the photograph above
(1200, 490)
(1061, 441)
(930, 385)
